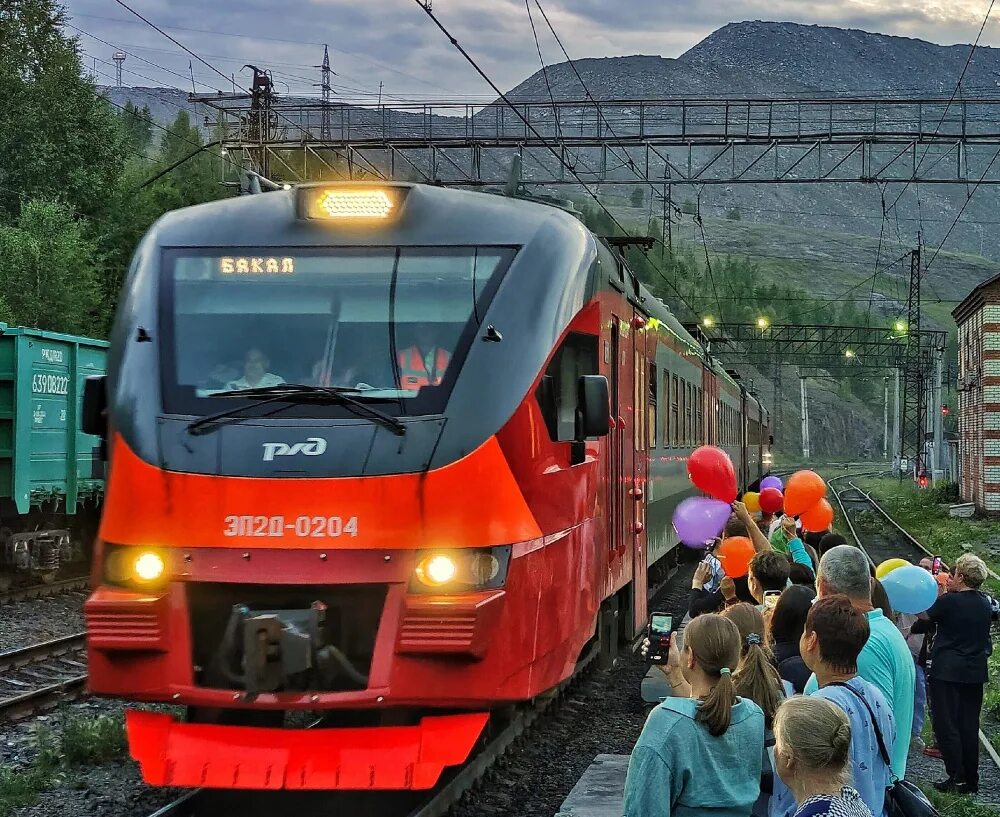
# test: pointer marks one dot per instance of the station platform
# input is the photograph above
(601, 790)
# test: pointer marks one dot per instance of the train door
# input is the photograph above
(644, 422)
(616, 453)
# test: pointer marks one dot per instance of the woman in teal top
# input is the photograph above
(699, 753)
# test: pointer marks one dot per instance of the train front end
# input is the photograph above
(323, 443)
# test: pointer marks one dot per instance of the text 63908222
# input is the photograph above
(277, 526)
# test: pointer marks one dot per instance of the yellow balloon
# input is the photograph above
(752, 500)
(888, 566)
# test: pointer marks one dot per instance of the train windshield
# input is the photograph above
(393, 325)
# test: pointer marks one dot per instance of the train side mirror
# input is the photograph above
(94, 411)
(594, 413)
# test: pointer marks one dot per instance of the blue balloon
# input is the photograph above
(910, 589)
(770, 482)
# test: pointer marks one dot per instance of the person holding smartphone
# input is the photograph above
(700, 751)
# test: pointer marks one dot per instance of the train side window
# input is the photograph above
(666, 409)
(681, 405)
(689, 417)
(651, 425)
(639, 398)
(674, 413)
(557, 391)
(699, 415)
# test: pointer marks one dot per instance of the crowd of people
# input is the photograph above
(796, 691)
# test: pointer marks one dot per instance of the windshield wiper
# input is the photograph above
(294, 393)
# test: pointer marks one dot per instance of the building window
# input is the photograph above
(557, 392)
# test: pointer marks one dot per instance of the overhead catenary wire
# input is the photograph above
(555, 153)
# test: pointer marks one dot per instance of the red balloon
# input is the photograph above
(818, 517)
(803, 490)
(735, 554)
(771, 500)
(711, 471)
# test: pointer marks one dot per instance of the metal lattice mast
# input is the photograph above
(325, 130)
(119, 58)
(914, 409)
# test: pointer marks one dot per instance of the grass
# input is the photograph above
(944, 535)
(80, 742)
(954, 805)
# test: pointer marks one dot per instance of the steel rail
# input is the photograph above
(37, 591)
(983, 740)
(33, 653)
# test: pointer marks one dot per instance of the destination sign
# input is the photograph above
(256, 265)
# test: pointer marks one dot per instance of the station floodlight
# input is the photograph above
(763, 323)
(849, 353)
(708, 321)
(348, 203)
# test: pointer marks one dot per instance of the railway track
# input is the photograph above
(893, 540)
(37, 591)
(36, 678)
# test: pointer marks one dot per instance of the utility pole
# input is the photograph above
(324, 130)
(805, 419)
(913, 416)
(885, 419)
(380, 84)
(940, 464)
(897, 451)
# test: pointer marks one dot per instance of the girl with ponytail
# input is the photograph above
(755, 677)
(700, 752)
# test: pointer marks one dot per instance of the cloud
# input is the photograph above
(394, 43)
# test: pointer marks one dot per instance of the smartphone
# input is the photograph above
(936, 567)
(661, 626)
(771, 599)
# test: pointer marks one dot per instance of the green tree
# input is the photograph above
(58, 138)
(47, 270)
(138, 125)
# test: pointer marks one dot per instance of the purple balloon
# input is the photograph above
(698, 520)
(771, 482)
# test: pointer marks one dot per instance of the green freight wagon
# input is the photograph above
(51, 473)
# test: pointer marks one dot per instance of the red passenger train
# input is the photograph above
(390, 454)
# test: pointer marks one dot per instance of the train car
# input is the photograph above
(51, 474)
(394, 454)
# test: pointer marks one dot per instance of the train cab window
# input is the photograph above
(557, 391)
(674, 413)
(392, 324)
(651, 424)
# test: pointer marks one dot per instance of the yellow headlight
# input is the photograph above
(436, 570)
(148, 567)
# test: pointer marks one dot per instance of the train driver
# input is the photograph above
(255, 373)
(424, 362)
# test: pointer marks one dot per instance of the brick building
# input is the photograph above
(978, 319)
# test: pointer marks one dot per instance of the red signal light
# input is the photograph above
(922, 480)
(945, 410)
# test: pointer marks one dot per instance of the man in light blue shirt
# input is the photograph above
(885, 660)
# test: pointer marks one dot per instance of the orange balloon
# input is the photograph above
(818, 517)
(803, 490)
(735, 554)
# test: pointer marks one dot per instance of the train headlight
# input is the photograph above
(148, 567)
(134, 566)
(437, 570)
(456, 571)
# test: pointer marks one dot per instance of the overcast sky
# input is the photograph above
(395, 43)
